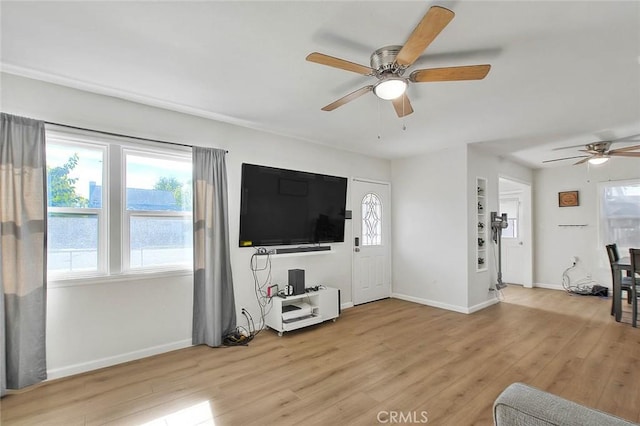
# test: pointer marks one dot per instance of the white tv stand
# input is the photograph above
(325, 305)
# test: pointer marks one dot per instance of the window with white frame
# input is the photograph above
(510, 206)
(116, 207)
(158, 225)
(619, 214)
(76, 220)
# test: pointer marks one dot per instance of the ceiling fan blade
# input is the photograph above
(584, 160)
(566, 158)
(627, 138)
(603, 140)
(321, 58)
(624, 154)
(457, 56)
(402, 105)
(469, 72)
(590, 151)
(348, 98)
(626, 148)
(432, 23)
(567, 147)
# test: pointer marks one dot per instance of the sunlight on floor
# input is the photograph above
(197, 415)
(559, 302)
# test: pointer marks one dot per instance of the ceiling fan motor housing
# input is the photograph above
(383, 60)
(600, 147)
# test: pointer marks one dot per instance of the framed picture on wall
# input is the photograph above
(568, 199)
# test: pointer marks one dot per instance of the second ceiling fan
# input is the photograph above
(600, 152)
(388, 65)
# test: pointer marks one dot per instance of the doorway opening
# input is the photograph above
(517, 241)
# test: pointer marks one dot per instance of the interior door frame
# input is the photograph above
(356, 204)
(526, 232)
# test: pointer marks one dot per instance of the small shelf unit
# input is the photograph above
(482, 241)
(324, 303)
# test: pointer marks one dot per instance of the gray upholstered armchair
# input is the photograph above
(523, 405)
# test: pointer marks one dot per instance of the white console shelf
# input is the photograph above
(324, 303)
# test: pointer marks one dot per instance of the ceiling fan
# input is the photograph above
(600, 152)
(389, 63)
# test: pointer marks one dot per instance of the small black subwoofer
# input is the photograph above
(296, 280)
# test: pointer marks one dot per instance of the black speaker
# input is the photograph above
(296, 279)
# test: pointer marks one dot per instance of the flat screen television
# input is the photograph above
(286, 207)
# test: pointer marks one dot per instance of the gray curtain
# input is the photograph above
(214, 311)
(22, 252)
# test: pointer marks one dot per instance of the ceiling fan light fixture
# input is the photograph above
(390, 88)
(598, 160)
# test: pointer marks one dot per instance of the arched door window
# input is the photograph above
(371, 220)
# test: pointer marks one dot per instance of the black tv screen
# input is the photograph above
(284, 207)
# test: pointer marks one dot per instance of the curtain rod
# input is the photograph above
(120, 135)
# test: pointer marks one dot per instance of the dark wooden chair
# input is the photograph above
(626, 282)
(634, 254)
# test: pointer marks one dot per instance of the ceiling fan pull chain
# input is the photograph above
(404, 119)
(379, 118)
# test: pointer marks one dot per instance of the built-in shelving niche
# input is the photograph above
(481, 220)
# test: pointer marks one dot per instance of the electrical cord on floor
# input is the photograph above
(241, 336)
(250, 323)
(580, 286)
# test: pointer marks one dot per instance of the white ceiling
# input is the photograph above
(563, 72)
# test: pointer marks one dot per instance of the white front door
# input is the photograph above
(516, 238)
(371, 240)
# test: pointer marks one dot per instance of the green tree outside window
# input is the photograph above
(61, 187)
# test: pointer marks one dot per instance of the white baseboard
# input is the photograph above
(436, 304)
(549, 286)
(485, 304)
(346, 305)
(83, 367)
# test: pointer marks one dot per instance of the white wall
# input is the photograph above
(491, 168)
(435, 228)
(554, 245)
(101, 324)
(429, 203)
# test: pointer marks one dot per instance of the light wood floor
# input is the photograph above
(389, 355)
